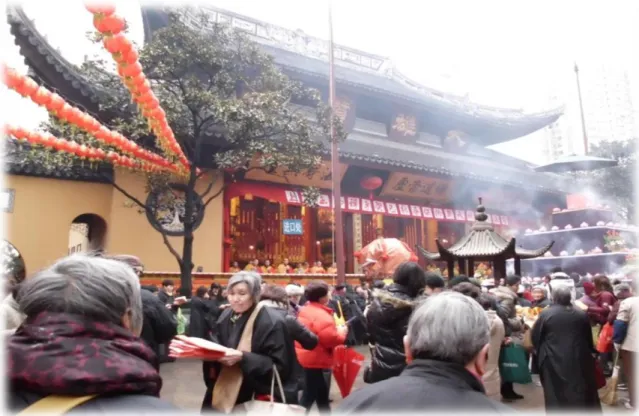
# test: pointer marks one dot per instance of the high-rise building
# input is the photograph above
(609, 110)
(607, 101)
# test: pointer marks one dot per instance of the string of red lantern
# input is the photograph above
(92, 154)
(124, 54)
(55, 104)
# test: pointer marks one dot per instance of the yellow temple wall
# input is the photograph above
(44, 209)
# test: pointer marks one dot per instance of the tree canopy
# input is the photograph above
(616, 184)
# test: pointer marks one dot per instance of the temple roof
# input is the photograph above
(299, 53)
(367, 148)
(482, 243)
(16, 162)
(54, 71)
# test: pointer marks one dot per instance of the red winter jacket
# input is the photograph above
(319, 320)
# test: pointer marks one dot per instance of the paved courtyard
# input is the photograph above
(184, 387)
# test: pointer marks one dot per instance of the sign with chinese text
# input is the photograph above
(321, 178)
(345, 111)
(292, 227)
(403, 127)
(357, 205)
(417, 187)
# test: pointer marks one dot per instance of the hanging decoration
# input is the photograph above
(57, 106)
(128, 66)
(92, 154)
(370, 183)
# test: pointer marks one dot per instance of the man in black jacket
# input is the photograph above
(159, 325)
(447, 355)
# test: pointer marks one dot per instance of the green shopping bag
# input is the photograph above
(513, 366)
(181, 322)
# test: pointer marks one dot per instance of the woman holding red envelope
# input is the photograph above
(257, 338)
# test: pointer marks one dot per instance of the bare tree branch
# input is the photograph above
(147, 209)
(215, 195)
(213, 181)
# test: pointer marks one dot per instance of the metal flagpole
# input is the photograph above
(581, 109)
(337, 192)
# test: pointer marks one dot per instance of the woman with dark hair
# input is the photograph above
(200, 325)
(603, 298)
(387, 319)
(318, 318)
(275, 297)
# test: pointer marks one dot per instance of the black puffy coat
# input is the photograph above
(307, 339)
(159, 325)
(387, 319)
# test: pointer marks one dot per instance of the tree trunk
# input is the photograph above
(187, 250)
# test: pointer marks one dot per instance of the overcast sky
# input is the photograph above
(502, 53)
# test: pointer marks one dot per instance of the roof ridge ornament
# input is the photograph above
(480, 215)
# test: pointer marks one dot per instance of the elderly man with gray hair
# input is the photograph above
(81, 339)
(446, 349)
(562, 341)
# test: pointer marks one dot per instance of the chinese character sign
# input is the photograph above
(404, 126)
(292, 227)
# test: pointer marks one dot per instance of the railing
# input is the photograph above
(205, 279)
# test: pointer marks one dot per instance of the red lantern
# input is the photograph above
(65, 112)
(82, 151)
(131, 56)
(117, 44)
(47, 139)
(28, 87)
(132, 70)
(41, 96)
(101, 8)
(64, 145)
(99, 154)
(370, 183)
(13, 79)
(55, 103)
(108, 24)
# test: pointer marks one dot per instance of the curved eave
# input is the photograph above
(471, 246)
(48, 64)
(484, 129)
(524, 253)
(427, 254)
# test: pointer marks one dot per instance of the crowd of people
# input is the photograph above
(84, 327)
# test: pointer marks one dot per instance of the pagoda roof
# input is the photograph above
(305, 55)
(482, 243)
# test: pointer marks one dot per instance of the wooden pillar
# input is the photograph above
(471, 267)
(462, 266)
(451, 269)
(518, 266)
(431, 234)
(357, 239)
(499, 269)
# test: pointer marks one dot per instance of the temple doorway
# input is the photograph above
(87, 233)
